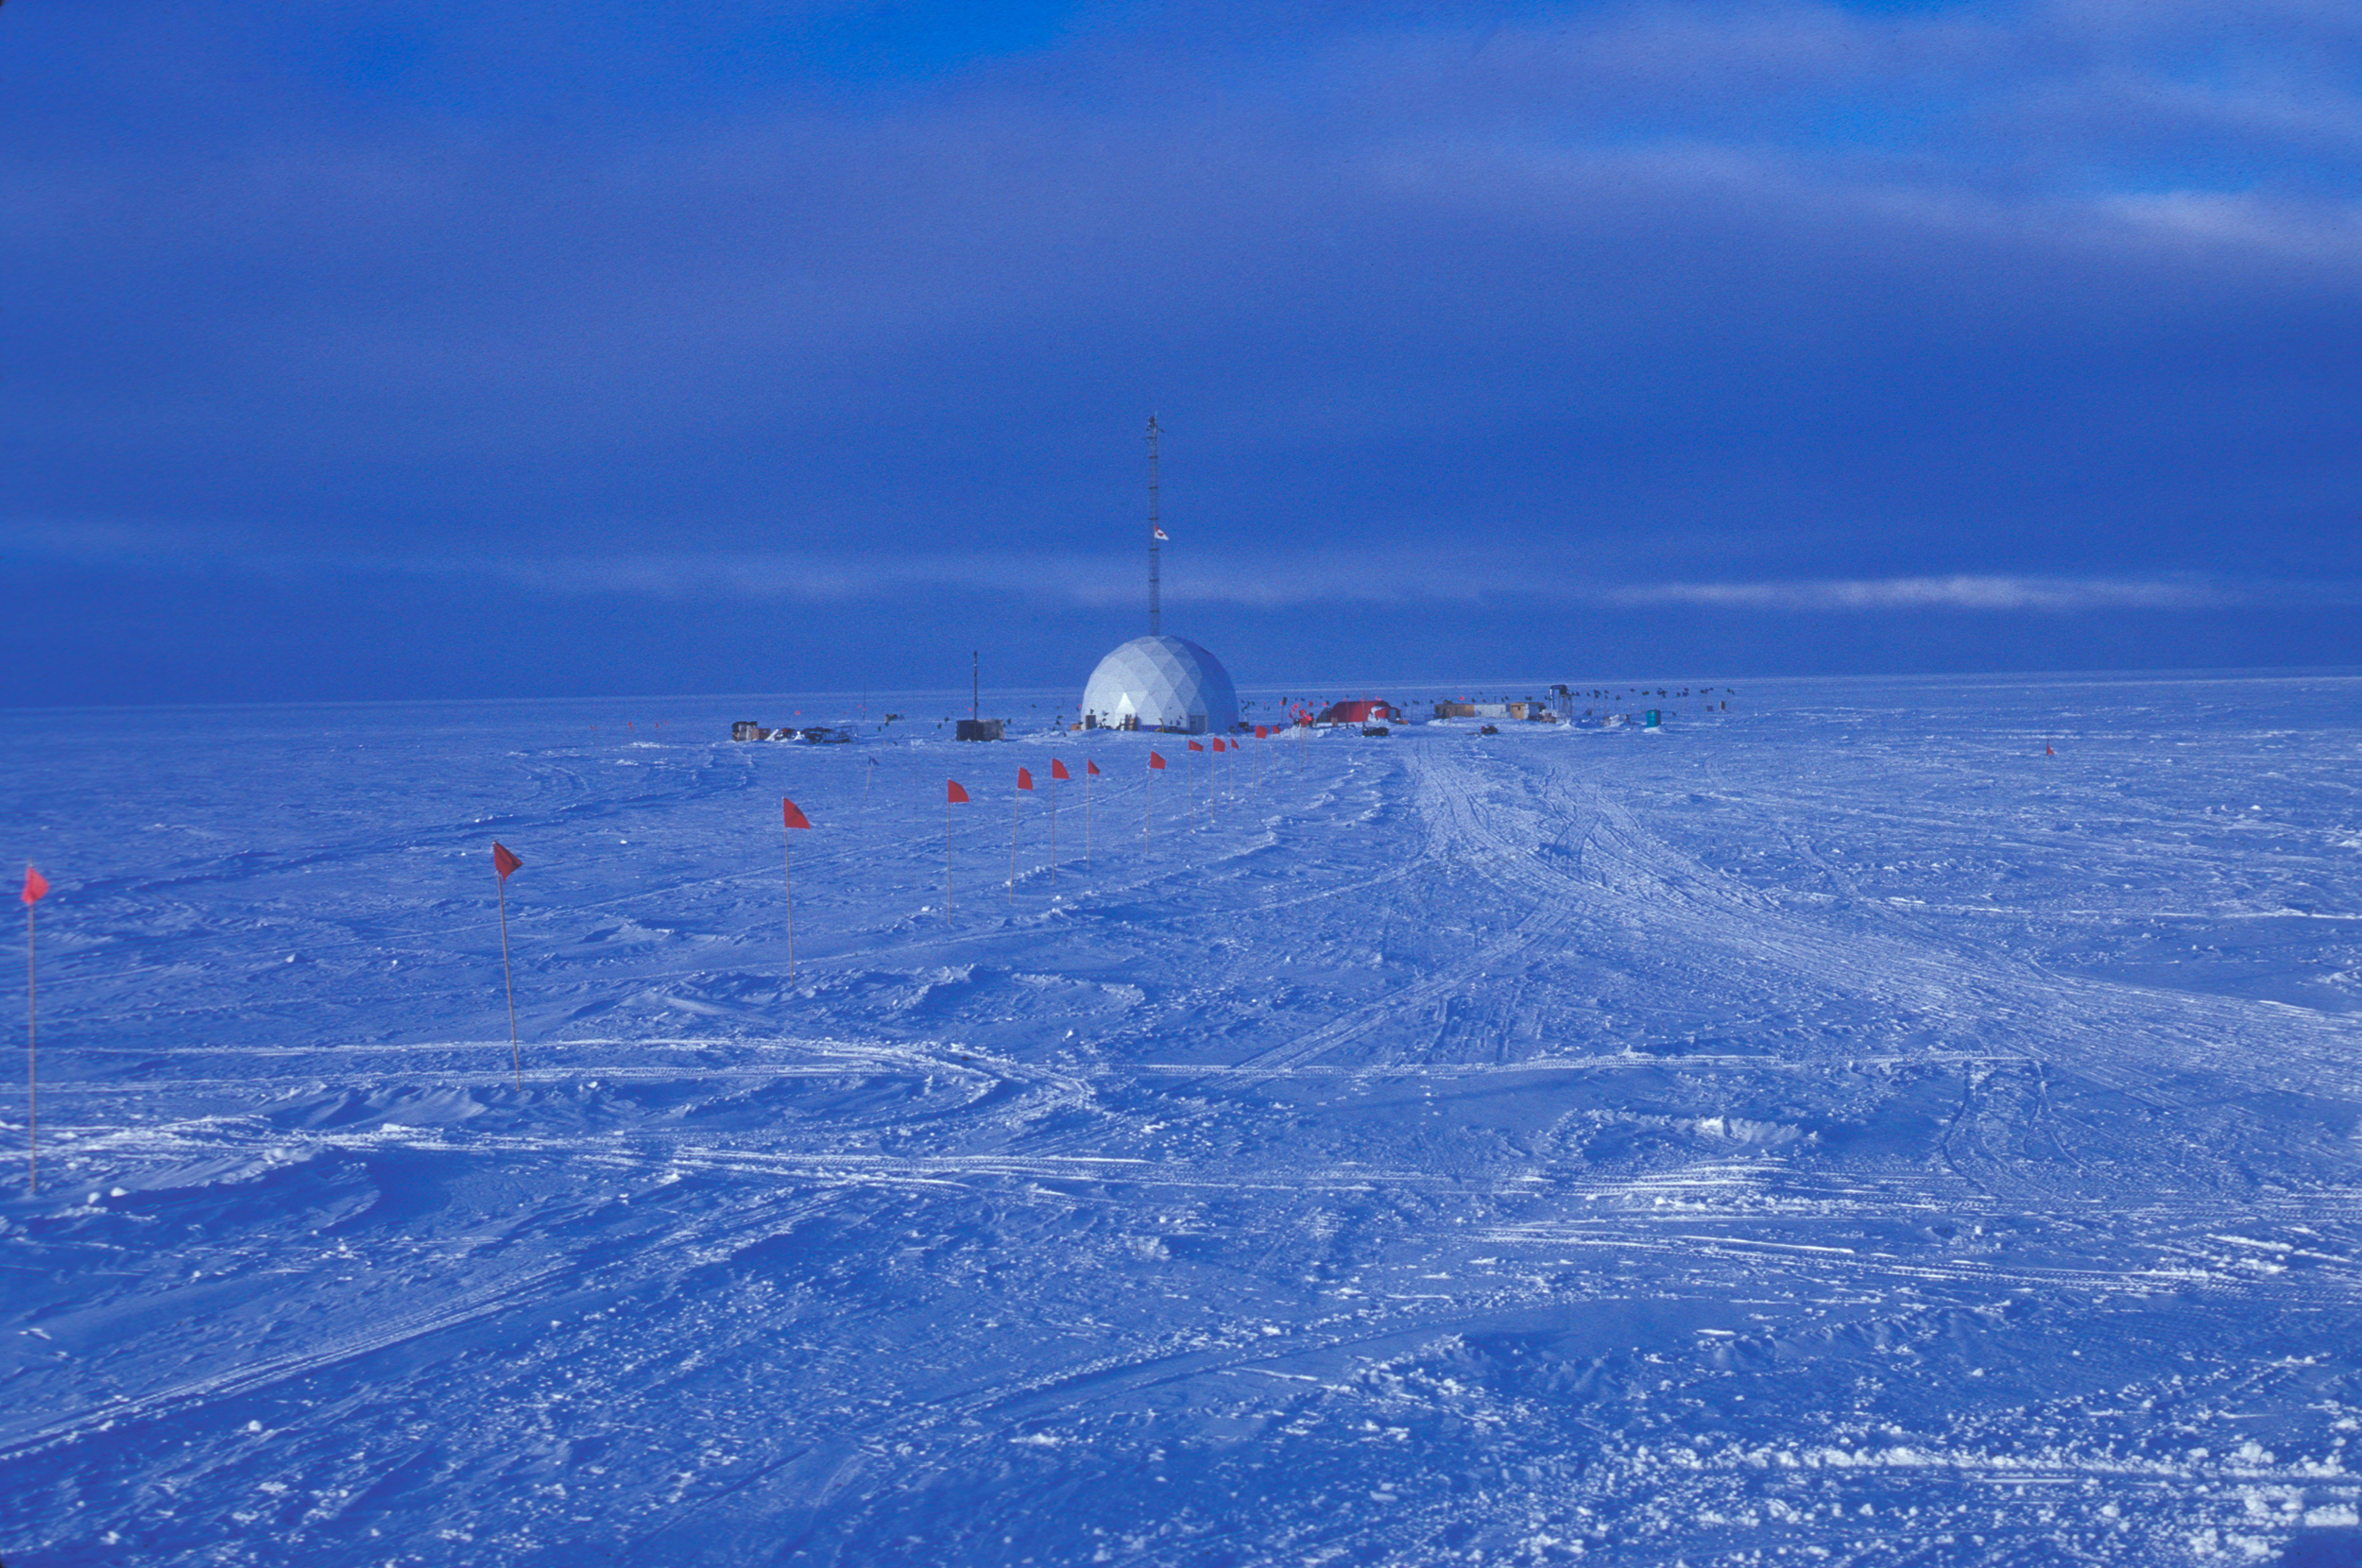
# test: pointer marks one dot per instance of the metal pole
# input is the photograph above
(787, 865)
(1155, 610)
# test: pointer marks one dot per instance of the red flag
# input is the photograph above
(1024, 779)
(1219, 747)
(1091, 767)
(1057, 770)
(1154, 761)
(954, 795)
(2045, 751)
(1262, 732)
(503, 862)
(1195, 746)
(35, 885)
(795, 817)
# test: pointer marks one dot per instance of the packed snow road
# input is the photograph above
(1835, 1128)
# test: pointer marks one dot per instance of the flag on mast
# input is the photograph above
(36, 888)
(504, 861)
(1025, 784)
(1057, 771)
(952, 795)
(1091, 771)
(795, 818)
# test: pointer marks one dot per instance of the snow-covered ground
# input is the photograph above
(1833, 1130)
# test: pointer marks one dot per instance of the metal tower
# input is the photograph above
(1155, 536)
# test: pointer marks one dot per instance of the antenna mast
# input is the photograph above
(1155, 610)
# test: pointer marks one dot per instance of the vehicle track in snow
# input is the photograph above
(1521, 1179)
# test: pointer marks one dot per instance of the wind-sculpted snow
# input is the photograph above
(1834, 1131)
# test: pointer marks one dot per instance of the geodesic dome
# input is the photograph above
(1165, 682)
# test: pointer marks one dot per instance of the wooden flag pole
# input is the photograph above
(32, 1072)
(953, 795)
(792, 817)
(32, 1075)
(1017, 798)
(508, 978)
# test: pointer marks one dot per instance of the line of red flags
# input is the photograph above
(506, 862)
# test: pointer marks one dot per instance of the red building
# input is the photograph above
(1363, 711)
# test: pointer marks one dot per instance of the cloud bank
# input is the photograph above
(1678, 310)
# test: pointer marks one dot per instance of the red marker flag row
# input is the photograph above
(506, 862)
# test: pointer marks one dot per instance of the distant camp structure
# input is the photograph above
(1492, 710)
(817, 735)
(1361, 712)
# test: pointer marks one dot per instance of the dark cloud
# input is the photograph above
(1707, 316)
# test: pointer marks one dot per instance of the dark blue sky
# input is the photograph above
(510, 349)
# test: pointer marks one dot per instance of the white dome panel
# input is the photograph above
(1166, 683)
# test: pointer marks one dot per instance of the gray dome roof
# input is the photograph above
(1167, 682)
